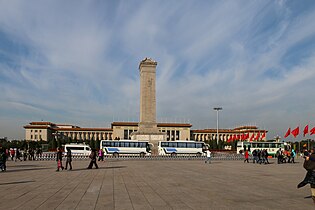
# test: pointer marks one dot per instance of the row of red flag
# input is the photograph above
(244, 137)
(295, 132)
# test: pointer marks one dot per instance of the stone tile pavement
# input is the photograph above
(152, 184)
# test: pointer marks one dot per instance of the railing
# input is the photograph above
(215, 156)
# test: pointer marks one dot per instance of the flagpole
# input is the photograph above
(217, 109)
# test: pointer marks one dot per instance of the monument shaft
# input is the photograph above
(147, 70)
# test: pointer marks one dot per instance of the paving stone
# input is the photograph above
(153, 184)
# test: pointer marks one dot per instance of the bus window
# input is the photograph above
(191, 145)
(265, 145)
(254, 145)
(116, 144)
(75, 148)
(259, 145)
(172, 144)
(181, 144)
(143, 144)
(164, 144)
(199, 145)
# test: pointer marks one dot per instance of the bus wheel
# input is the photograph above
(173, 154)
(142, 154)
(116, 155)
(198, 154)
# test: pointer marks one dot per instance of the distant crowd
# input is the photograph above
(261, 156)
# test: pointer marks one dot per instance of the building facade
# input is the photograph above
(243, 133)
(45, 131)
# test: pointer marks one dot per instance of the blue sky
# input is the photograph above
(76, 62)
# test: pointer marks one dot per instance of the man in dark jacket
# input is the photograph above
(3, 159)
(93, 159)
(309, 165)
(69, 159)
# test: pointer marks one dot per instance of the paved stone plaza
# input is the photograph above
(151, 184)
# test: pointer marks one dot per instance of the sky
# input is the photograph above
(76, 62)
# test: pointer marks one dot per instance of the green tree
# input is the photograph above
(97, 144)
(92, 144)
(53, 144)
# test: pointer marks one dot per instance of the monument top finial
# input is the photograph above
(148, 61)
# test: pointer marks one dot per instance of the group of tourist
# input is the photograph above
(259, 156)
(93, 156)
(16, 154)
(285, 156)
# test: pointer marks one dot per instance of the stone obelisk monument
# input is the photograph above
(147, 126)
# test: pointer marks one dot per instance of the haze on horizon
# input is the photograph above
(76, 62)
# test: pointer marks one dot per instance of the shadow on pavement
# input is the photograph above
(20, 182)
(99, 168)
(9, 170)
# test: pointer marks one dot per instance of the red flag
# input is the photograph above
(312, 131)
(234, 137)
(230, 138)
(287, 133)
(305, 130)
(238, 137)
(242, 137)
(263, 135)
(296, 131)
(247, 136)
(258, 135)
(251, 138)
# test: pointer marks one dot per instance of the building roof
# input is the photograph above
(235, 130)
(42, 123)
(83, 129)
(135, 124)
(37, 127)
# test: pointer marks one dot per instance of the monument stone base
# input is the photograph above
(153, 138)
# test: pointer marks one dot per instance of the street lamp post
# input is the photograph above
(217, 109)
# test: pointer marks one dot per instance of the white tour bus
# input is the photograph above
(271, 147)
(78, 149)
(182, 147)
(123, 147)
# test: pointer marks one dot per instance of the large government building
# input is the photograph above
(45, 131)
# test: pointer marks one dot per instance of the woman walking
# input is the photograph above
(59, 159)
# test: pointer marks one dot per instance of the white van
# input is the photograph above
(78, 149)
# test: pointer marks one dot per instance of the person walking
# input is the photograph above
(208, 153)
(246, 156)
(69, 159)
(100, 155)
(293, 154)
(279, 155)
(12, 153)
(93, 160)
(309, 165)
(3, 160)
(59, 159)
(18, 155)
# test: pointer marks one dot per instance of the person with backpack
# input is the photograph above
(93, 160)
